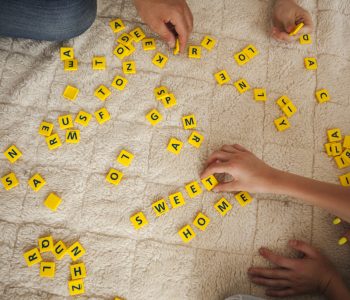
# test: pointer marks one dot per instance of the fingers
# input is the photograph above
(182, 29)
(277, 259)
(189, 17)
(280, 293)
(279, 35)
(304, 248)
(215, 168)
(164, 32)
(273, 283)
(240, 148)
(219, 155)
(231, 186)
(276, 273)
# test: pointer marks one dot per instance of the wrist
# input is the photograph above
(336, 288)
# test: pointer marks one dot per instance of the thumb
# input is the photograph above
(231, 186)
(303, 247)
(165, 34)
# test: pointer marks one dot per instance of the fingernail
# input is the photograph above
(336, 221)
(171, 44)
(343, 240)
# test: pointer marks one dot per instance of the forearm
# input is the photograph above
(331, 197)
(337, 290)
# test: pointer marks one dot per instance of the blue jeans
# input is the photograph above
(51, 20)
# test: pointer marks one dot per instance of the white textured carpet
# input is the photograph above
(153, 263)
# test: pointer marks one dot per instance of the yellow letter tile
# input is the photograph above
(137, 34)
(114, 176)
(129, 67)
(174, 146)
(102, 93)
(47, 269)
(36, 182)
(12, 153)
(282, 101)
(160, 92)
(121, 51)
(201, 221)
(345, 179)
(187, 234)
(177, 200)
(310, 63)
(99, 63)
(83, 118)
(77, 271)
(260, 95)
(102, 115)
(194, 52)
(160, 207)
(45, 244)
(341, 161)
(334, 135)
(119, 83)
(193, 189)
(297, 29)
(59, 250)
(208, 42)
(72, 136)
(70, 93)
(52, 201)
(149, 44)
(76, 287)
(125, 39)
(138, 220)
(45, 128)
(251, 51)
(168, 100)
(305, 39)
(9, 181)
(222, 77)
(346, 143)
(116, 25)
(289, 109)
(195, 139)
(67, 53)
(65, 122)
(243, 198)
(154, 117)
(125, 158)
(242, 86)
(160, 60)
(189, 122)
(76, 251)
(223, 206)
(53, 141)
(241, 58)
(322, 96)
(210, 182)
(32, 257)
(282, 123)
(71, 65)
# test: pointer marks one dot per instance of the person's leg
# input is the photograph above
(54, 20)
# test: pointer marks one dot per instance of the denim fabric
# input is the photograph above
(51, 20)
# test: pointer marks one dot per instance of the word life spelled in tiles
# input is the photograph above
(78, 271)
(222, 77)
(260, 95)
(36, 182)
(177, 200)
(201, 221)
(187, 234)
(47, 269)
(66, 53)
(174, 146)
(129, 67)
(70, 93)
(160, 207)
(282, 123)
(76, 287)
(242, 86)
(45, 128)
(154, 117)
(160, 92)
(119, 83)
(76, 251)
(72, 136)
(137, 34)
(160, 60)
(310, 63)
(243, 198)
(322, 96)
(194, 52)
(168, 100)
(334, 135)
(46, 244)
(208, 43)
(117, 25)
(193, 189)
(223, 206)
(210, 182)
(59, 250)
(195, 139)
(114, 176)
(102, 115)
(32, 257)
(99, 63)
(53, 141)
(102, 92)
(138, 220)
(9, 181)
(149, 44)
(71, 65)
(52, 201)
(12, 153)
(125, 158)
(296, 29)
(83, 118)
(189, 122)
(305, 39)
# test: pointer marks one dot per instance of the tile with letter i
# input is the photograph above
(187, 234)
(345, 179)
(138, 220)
(289, 109)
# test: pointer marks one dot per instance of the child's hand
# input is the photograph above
(157, 13)
(311, 273)
(286, 15)
(249, 172)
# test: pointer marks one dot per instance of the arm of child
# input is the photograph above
(285, 16)
(253, 175)
(311, 273)
(157, 14)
